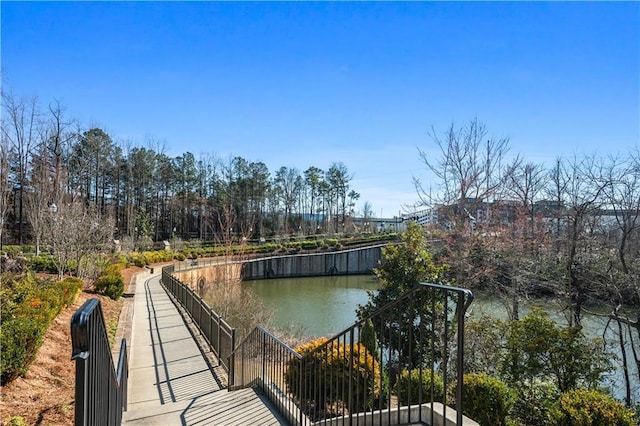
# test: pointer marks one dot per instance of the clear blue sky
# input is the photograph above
(309, 84)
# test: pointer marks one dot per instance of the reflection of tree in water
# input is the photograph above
(238, 306)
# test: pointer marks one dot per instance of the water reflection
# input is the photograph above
(323, 306)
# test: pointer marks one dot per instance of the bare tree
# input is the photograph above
(619, 274)
(470, 169)
(20, 125)
(59, 137)
(367, 215)
(578, 189)
(76, 232)
(38, 199)
(526, 183)
(4, 182)
(47, 173)
(621, 188)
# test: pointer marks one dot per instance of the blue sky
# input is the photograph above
(308, 84)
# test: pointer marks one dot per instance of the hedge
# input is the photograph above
(42, 263)
(141, 259)
(29, 306)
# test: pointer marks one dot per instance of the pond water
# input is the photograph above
(324, 306)
(320, 306)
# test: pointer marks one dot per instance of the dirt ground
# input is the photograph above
(45, 395)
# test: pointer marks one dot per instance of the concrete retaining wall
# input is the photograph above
(345, 262)
(197, 274)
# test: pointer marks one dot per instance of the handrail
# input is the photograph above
(344, 380)
(261, 361)
(218, 334)
(101, 389)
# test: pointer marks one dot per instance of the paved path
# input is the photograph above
(170, 382)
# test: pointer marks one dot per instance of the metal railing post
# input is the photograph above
(264, 359)
(100, 390)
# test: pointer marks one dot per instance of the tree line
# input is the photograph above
(54, 170)
(499, 222)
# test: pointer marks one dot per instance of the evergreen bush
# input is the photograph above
(69, 289)
(110, 284)
(332, 242)
(141, 259)
(328, 368)
(310, 244)
(42, 263)
(20, 338)
(583, 407)
(486, 399)
(416, 386)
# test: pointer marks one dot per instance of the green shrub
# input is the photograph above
(310, 244)
(110, 284)
(368, 338)
(16, 421)
(42, 263)
(11, 250)
(28, 307)
(18, 250)
(538, 349)
(486, 399)
(533, 402)
(137, 259)
(121, 259)
(69, 290)
(415, 387)
(141, 259)
(328, 369)
(332, 242)
(483, 343)
(157, 256)
(582, 407)
(20, 338)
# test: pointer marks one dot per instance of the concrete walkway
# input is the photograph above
(170, 382)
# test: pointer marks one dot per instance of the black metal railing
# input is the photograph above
(219, 335)
(395, 366)
(261, 361)
(101, 389)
